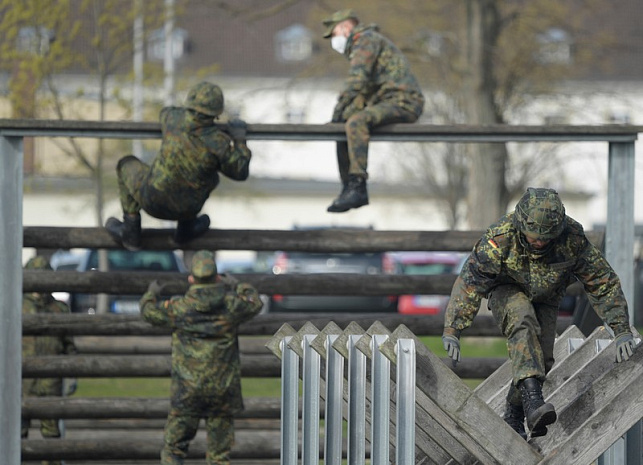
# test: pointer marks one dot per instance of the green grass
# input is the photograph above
(267, 387)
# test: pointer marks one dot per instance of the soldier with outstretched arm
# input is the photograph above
(206, 371)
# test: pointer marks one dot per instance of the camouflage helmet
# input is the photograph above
(540, 214)
(336, 18)
(206, 98)
(203, 264)
(38, 263)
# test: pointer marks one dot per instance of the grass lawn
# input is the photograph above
(267, 387)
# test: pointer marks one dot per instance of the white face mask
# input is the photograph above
(338, 43)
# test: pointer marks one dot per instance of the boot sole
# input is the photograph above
(547, 418)
(334, 209)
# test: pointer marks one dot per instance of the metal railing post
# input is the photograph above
(310, 393)
(405, 401)
(289, 403)
(356, 403)
(380, 402)
(11, 180)
(334, 401)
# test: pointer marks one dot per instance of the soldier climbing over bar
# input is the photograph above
(186, 170)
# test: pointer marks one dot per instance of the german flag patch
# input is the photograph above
(493, 244)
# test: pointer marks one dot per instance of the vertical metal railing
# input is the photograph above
(356, 396)
(11, 292)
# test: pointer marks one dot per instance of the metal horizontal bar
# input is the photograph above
(334, 131)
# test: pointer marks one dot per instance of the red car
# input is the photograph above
(425, 263)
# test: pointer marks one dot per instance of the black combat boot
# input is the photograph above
(539, 414)
(127, 232)
(515, 417)
(186, 230)
(354, 195)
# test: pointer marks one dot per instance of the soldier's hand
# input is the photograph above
(451, 344)
(228, 280)
(155, 287)
(237, 129)
(624, 347)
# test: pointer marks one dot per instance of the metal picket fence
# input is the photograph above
(334, 368)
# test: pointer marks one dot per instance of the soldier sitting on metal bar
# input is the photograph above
(380, 89)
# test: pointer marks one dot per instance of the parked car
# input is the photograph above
(305, 262)
(425, 263)
(118, 260)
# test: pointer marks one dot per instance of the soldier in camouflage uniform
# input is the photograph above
(32, 346)
(179, 180)
(206, 374)
(380, 90)
(523, 265)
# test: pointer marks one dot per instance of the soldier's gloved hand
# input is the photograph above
(155, 287)
(624, 346)
(451, 344)
(237, 129)
(228, 280)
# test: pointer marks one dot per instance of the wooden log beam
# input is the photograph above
(150, 345)
(123, 407)
(132, 366)
(248, 445)
(261, 325)
(159, 366)
(136, 283)
(325, 240)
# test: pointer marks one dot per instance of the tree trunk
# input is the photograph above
(487, 187)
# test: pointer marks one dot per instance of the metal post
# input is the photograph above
(405, 400)
(334, 401)
(380, 399)
(11, 292)
(619, 251)
(356, 403)
(619, 230)
(289, 403)
(310, 392)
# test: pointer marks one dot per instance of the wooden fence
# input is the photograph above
(619, 244)
(257, 426)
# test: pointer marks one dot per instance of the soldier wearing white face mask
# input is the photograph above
(380, 89)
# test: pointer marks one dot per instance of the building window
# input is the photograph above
(34, 40)
(555, 47)
(156, 44)
(620, 117)
(296, 116)
(553, 120)
(295, 43)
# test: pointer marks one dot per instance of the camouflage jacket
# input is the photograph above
(193, 152)
(500, 258)
(33, 303)
(206, 373)
(379, 71)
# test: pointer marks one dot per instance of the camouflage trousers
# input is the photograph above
(352, 155)
(42, 387)
(530, 330)
(180, 430)
(136, 192)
